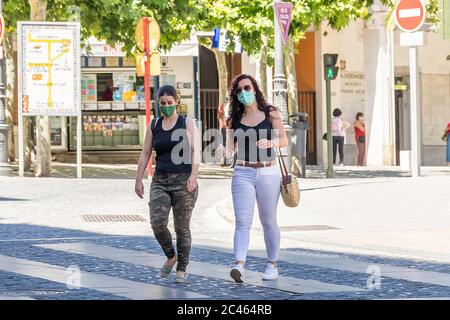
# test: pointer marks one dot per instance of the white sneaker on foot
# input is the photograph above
(237, 273)
(271, 272)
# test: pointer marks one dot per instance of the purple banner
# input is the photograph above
(283, 11)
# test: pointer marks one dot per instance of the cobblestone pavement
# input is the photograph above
(25, 242)
(396, 248)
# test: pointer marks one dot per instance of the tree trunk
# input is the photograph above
(261, 67)
(10, 96)
(291, 76)
(222, 71)
(43, 151)
(11, 103)
(38, 10)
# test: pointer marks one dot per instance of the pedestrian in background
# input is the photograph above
(338, 127)
(446, 137)
(360, 137)
(174, 183)
(256, 176)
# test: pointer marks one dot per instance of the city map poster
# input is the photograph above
(49, 68)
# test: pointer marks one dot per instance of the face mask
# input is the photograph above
(246, 98)
(168, 110)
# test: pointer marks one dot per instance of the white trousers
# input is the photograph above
(262, 186)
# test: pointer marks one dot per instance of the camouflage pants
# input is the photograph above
(169, 191)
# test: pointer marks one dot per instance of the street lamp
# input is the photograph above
(5, 169)
(279, 87)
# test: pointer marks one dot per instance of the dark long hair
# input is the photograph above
(237, 108)
(359, 115)
(167, 90)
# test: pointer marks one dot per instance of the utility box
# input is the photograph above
(300, 126)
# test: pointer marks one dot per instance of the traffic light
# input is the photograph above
(329, 66)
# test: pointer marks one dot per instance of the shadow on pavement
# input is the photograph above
(12, 199)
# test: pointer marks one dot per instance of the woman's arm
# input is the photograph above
(345, 124)
(143, 161)
(359, 125)
(194, 142)
(229, 149)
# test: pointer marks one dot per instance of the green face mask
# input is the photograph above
(168, 110)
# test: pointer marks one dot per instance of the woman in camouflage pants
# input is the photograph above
(174, 184)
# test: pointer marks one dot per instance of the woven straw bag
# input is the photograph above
(290, 192)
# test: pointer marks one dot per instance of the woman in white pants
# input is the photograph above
(254, 129)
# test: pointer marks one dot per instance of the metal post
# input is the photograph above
(79, 146)
(80, 116)
(5, 168)
(415, 143)
(147, 84)
(279, 88)
(329, 133)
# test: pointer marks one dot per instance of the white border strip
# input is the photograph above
(409, 13)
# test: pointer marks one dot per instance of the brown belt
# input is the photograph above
(256, 165)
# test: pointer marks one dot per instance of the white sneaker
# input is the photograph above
(237, 273)
(271, 272)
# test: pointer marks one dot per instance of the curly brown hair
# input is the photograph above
(237, 108)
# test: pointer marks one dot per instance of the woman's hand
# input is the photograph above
(139, 188)
(192, 183)
(265, 144)
(224, 152)
(221, 151)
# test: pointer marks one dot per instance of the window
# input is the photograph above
(105, 87)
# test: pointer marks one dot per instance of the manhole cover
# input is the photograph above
(307, 228)
(111, 218)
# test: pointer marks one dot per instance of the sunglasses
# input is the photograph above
(166, 103)
(247, 88)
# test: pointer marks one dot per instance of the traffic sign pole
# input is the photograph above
(147, 84)
(410, 16)
(415, 143)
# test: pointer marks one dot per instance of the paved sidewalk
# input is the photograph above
(128, 171)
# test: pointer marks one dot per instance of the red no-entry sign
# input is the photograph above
(410, 15)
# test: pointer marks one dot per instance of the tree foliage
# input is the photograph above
(249, 21)
(115, 20)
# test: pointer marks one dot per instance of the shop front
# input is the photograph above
(113, 98)
(113, 105)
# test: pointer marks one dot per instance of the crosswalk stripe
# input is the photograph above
(121, 287)
(217, 271)
(336, 262)
(388, 271)
(6, 297)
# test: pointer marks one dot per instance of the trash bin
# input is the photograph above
(300, 126)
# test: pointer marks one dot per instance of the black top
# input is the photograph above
(173, 152)
(247, 136)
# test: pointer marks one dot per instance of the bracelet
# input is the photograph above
(274, 143)
(230, 151)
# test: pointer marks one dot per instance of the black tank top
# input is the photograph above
(173, 153)
(247, 136)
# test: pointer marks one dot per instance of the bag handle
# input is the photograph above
(284, 172)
